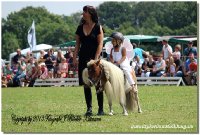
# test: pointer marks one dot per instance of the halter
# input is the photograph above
(100, 86)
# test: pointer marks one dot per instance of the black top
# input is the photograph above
(150, 65)
(89, 43)
(17, 57)
(48, 60)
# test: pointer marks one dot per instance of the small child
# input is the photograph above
(62, 68)
(177, 51)
(172, 66)
(119, 58)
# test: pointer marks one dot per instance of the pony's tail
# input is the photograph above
(131, 104)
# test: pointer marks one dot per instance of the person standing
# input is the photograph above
(89, 44)
(190, 49)
(166, 50)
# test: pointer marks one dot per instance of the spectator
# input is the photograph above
(139, 52)
(50, 61)
(150, 65)
(67, 54)
(178, 62)
(166, 50)
(44, 71)
(59, 58)
(167, 69)
(190, 70)
(4, 82)
(159, 68)
(21, 73)
(36, 73)
(172, 67)
(62, 68)
(7, 72)
(177, 51)
(41, 58)
(29, 71)
(145, 68)
(16, 58)
(138, 66)
(28, 56)
(190, 49)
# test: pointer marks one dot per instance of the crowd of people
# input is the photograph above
(25, 69)
(169, 63)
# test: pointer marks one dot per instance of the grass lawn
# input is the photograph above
(52, 108)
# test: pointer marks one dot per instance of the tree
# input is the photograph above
(10, 44)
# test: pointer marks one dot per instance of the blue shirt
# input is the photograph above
(138, 52)
(187, 51)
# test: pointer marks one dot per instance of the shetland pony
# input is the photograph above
(110, 78)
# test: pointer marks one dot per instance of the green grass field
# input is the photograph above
(174, 106)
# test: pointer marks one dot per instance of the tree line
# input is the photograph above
(130, 18)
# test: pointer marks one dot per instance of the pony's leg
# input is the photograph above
(124, 109)
(108, 91)
(135, 91)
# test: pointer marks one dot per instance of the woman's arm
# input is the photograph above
(100, 44)
(77, 47)
(111, 57)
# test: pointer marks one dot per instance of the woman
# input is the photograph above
(89, 44)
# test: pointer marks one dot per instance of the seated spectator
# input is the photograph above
(177, 50)
(44, 71)
(145, 68)
(190, 70)
(17, 57)
(67, 54)
(159, 68)
(36, 73)
(4, 82)
(150, 65)
(59, 58)
(29, 71)
(167, 69)
(28, 56)
(172, 67)
(8, 73)
(178, 62)
(62, 69)
(41, 57)
(50, 61)
(21, 73)
(138, 66)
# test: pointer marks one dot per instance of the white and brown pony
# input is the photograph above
(110, 78)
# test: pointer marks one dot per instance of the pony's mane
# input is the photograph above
(91, 62)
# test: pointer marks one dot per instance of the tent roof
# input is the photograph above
(38, 48)
(132, 38)
(182, 40)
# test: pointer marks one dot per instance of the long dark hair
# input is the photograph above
(92, 11)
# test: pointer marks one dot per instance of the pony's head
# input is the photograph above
(94, 70)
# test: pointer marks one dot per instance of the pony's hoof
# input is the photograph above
(111, 114)
(139, 111)
(125, 114)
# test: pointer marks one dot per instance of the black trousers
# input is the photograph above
(87, 90)
(88, 98)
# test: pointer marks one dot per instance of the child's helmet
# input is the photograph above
(117, 35)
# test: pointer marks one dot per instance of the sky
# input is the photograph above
(56, 7)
